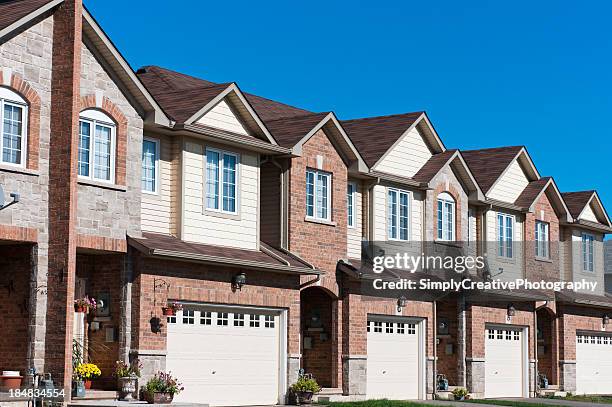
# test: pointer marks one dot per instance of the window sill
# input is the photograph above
(18, 170)
(450, 243)
(543, 259)
(224, 215)
(319, 221)
(104, 185)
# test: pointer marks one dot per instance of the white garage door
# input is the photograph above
(225, 357)
(394, 359)
(504, 362)
(593, 364)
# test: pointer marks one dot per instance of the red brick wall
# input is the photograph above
(14, 300)
(479, 315)
(321, 244)
(103, 276)
(538, 269)
(65, 88)
(209, 284)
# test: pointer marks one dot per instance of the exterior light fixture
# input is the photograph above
(606, 319)
(401, 303)
(3, 203)
(511, 311)
(238, 281)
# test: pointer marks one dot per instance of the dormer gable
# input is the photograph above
(586, 207)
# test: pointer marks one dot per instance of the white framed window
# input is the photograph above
(505, 235)
(446, 217)
(150, 165)
(588, 252)
(541, 239)
(14, 115)
(97, 151)
(221, 181)
(318, 194)
(398, 214)
(351, 192)
(188, 316)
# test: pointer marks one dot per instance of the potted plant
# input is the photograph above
(304, 389)
(85, 304)
(460, 393)
(86, 372)
(127, 378)
(171, 309)
(161, 388)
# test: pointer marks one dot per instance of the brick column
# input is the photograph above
(354, 346)
(37, 306)
(125, 323)
(65, 97)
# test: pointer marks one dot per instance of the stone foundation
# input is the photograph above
(567, 374)
(354, 374)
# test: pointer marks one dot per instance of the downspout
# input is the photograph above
(462, 352)
(535, 352)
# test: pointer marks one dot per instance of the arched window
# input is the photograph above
(14, 112)
(97, 141)
(446, 217)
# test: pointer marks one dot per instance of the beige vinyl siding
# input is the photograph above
(565, 254)
(222, 117)
(414, 246)
(472, 244)
(512, 267)
(407, 157)
(597, 275)
(355, 233)
(510, 185)
(203, 226)
(588, 214)
(158, 211)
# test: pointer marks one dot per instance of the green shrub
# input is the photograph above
(304, 384)
(460, 392)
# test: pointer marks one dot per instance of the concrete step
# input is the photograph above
(116, 403)
(334, 394)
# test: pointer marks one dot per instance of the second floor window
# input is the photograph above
(505, 235)
(96, 146)
(446, 217)
(541, 239)
(350, 203)
(221, 181)
(587, 252)
(398, 210)
(150, 166)
(13, 109)
(318, 194)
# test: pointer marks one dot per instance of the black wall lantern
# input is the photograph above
(238, 281)
(511, 311)
(401, 303)
(606, 319)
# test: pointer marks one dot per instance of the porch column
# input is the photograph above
(125, 321)
(354, 358)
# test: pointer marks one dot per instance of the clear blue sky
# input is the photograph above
(489, 73)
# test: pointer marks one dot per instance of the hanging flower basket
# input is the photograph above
(85, 304)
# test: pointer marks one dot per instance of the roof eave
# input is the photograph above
(7, 31)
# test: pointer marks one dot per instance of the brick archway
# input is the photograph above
(23, 88)
(108, 107)
(319, 342)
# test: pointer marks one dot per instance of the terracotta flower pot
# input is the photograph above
(12, 383)
(168, 312)
(158, 398)
(88, 384)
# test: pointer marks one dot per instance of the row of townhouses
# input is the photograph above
(143, 188)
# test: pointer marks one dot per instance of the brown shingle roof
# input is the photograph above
(160, 81)
(488, 164)
(167, 245)
(289, 131)
(373, 136)
(433, 166)
(576, 201)
(530, 193)
(13, 11)
(182, 104)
